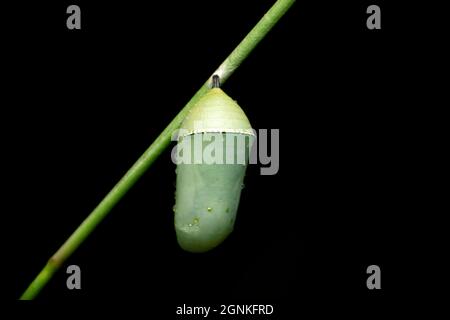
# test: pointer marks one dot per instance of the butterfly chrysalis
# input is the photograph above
(216, 138)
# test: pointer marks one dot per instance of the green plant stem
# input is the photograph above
(224, 71)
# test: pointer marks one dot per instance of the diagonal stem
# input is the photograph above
(230, 64)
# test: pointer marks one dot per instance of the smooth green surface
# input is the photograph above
(216, 112)
(156, 148)
(207, 195)
(207, 199)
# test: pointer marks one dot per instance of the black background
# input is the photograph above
(80, 106)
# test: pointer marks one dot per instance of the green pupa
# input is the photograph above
(208, 192)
